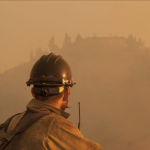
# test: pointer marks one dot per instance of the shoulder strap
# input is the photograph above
(3, 128)
(27, 120)
(6, 123)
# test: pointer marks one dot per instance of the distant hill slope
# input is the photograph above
(113, 86)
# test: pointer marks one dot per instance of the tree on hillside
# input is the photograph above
(131, 38)
(78, 38)
(52, 45)
(67, 40)
(132, 42)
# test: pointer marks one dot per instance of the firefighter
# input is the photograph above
(44, 124)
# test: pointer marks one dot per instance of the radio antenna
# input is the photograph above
(79, 116)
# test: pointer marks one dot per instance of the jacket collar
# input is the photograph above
(34, 103)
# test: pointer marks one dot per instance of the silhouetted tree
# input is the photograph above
(78, 38)
(53, 47)
(131, 42)
(67, 40)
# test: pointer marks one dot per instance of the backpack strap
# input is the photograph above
(6, 123)
(3, 127)
(30, 116)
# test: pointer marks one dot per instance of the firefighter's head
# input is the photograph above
(51, 78)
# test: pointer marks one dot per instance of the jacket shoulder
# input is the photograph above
(61, 124)
(67, 135)
(15, 119)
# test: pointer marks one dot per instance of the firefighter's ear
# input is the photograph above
(32, 93)
(66, 94)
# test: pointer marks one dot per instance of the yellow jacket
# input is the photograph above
(51, 132)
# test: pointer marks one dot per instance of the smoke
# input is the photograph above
(112, 76)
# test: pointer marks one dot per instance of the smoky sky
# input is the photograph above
(28, 25)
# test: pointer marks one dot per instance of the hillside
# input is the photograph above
(113, 86)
